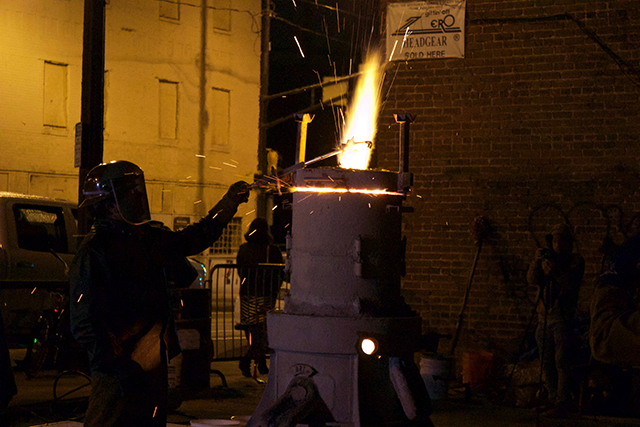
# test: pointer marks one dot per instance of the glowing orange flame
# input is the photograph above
(344, 190)
(360, 129)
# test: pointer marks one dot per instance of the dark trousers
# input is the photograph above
(259, 343)
(558, 346)
(140, 401)
(7, 381)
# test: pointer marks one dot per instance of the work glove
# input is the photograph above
(227, 207)
(239, 192)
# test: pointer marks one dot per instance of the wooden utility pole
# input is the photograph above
(264, 103)
(91, 125)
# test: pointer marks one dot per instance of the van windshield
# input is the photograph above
(41, 228)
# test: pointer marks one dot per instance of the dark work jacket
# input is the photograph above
(557, 292)
(119, 287)
(257, 282)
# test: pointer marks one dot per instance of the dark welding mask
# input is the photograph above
(124, 182)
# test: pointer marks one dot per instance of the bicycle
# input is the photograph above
(51, 345)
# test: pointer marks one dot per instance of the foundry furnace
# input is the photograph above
(344, 343)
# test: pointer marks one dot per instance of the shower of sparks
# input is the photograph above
(154, 412)
(181, 303)
(369, 205)
(201, 156)
(338, 17)
(235, 161)
(326, 35)
(406, 34)
(34, 289)
(197, 201)
(250, 212)
(215, 167)
(80, 297)
(252, 232)
(229, 164)
(311, 213)
(189, 177)
(287, 226)
(294, 4)
(305, 198)
(344, 190)
(299, 47)
(274, 208)
(393, 50)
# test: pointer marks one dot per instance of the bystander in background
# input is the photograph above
(258, 291)
(557, 273)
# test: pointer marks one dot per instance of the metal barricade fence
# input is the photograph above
(264, 289)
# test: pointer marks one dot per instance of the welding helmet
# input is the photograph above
(122, 182)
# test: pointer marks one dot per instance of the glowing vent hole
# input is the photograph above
(369, 346)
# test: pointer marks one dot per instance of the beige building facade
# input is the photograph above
(182, 83)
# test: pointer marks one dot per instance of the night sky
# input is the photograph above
(327, 50)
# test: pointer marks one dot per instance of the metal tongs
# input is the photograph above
(273, 179)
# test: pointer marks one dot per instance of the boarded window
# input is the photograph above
(168, 126)
(170, 9)
(221, 18)
(55, 95)
(220, 114)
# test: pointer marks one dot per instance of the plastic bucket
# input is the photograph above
(476, 367)
(435, 372)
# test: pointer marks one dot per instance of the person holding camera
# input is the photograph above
(557, 273)
(614, 334)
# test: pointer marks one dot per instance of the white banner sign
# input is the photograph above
(425, 30)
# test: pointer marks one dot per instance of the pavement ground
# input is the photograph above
(35, 404)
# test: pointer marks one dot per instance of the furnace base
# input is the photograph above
(318, 376)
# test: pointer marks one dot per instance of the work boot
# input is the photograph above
(245, 366)
(262, 366)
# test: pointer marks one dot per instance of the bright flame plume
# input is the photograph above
(360, 129)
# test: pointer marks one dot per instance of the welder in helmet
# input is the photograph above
(119, 280)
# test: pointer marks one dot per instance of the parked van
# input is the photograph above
(38, 239)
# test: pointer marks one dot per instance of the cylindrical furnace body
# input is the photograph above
(346, 258)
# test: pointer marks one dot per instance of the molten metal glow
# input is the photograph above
(344, 190)
(369, 346)
(360, 129)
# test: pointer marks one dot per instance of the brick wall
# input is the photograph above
(538, 124)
